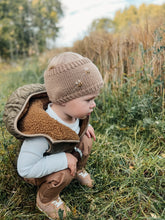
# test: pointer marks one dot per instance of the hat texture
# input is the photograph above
(72, 77)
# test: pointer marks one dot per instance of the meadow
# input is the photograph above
(128, 157)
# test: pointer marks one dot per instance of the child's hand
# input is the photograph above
(90, 132)
(72, 163)
(85, 145)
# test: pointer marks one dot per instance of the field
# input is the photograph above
(128, 158)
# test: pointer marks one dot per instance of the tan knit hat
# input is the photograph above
(69, 76)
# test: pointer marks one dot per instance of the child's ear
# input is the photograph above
(63, 104)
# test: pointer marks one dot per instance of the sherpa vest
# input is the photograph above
(25, 116)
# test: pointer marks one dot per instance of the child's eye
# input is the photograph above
(89, 100)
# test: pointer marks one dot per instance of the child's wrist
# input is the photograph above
(79, 151)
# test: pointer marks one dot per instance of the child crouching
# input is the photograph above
(54, 122)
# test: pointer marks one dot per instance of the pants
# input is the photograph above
(51, 185)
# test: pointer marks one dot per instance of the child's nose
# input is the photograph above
(93, 104)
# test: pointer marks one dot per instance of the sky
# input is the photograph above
(79, 14)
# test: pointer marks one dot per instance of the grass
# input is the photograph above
(127, 160)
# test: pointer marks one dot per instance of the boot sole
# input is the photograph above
(43, 212)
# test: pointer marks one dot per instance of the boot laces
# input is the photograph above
(83, 173)
(57, 202)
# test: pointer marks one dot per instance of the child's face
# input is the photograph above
(80, 107)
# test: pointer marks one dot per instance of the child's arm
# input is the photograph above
(31, 162)
(90, 132)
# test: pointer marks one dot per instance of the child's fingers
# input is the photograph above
(72, 163)
(88, 134)
(73, 170)
(92, 134)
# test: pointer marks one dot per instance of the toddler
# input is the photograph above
(54, 123)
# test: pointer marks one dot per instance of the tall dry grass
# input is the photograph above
(134, 53)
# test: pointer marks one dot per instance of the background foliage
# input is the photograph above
(26, 25)
(123, 20)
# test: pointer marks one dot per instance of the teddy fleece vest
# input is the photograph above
(25, 116)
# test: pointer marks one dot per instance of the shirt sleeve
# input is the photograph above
(31, 162)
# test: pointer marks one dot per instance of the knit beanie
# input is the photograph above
(70, 75)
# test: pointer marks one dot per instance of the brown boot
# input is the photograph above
(52, 209)
(48, 200)
(84, 178)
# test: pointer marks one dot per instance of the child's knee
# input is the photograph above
(60, 177)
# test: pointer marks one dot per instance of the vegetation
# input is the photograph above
(127, 161)
(26, 25)
(123, 20)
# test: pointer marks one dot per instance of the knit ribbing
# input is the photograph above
(65, 67)
(91, 90)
